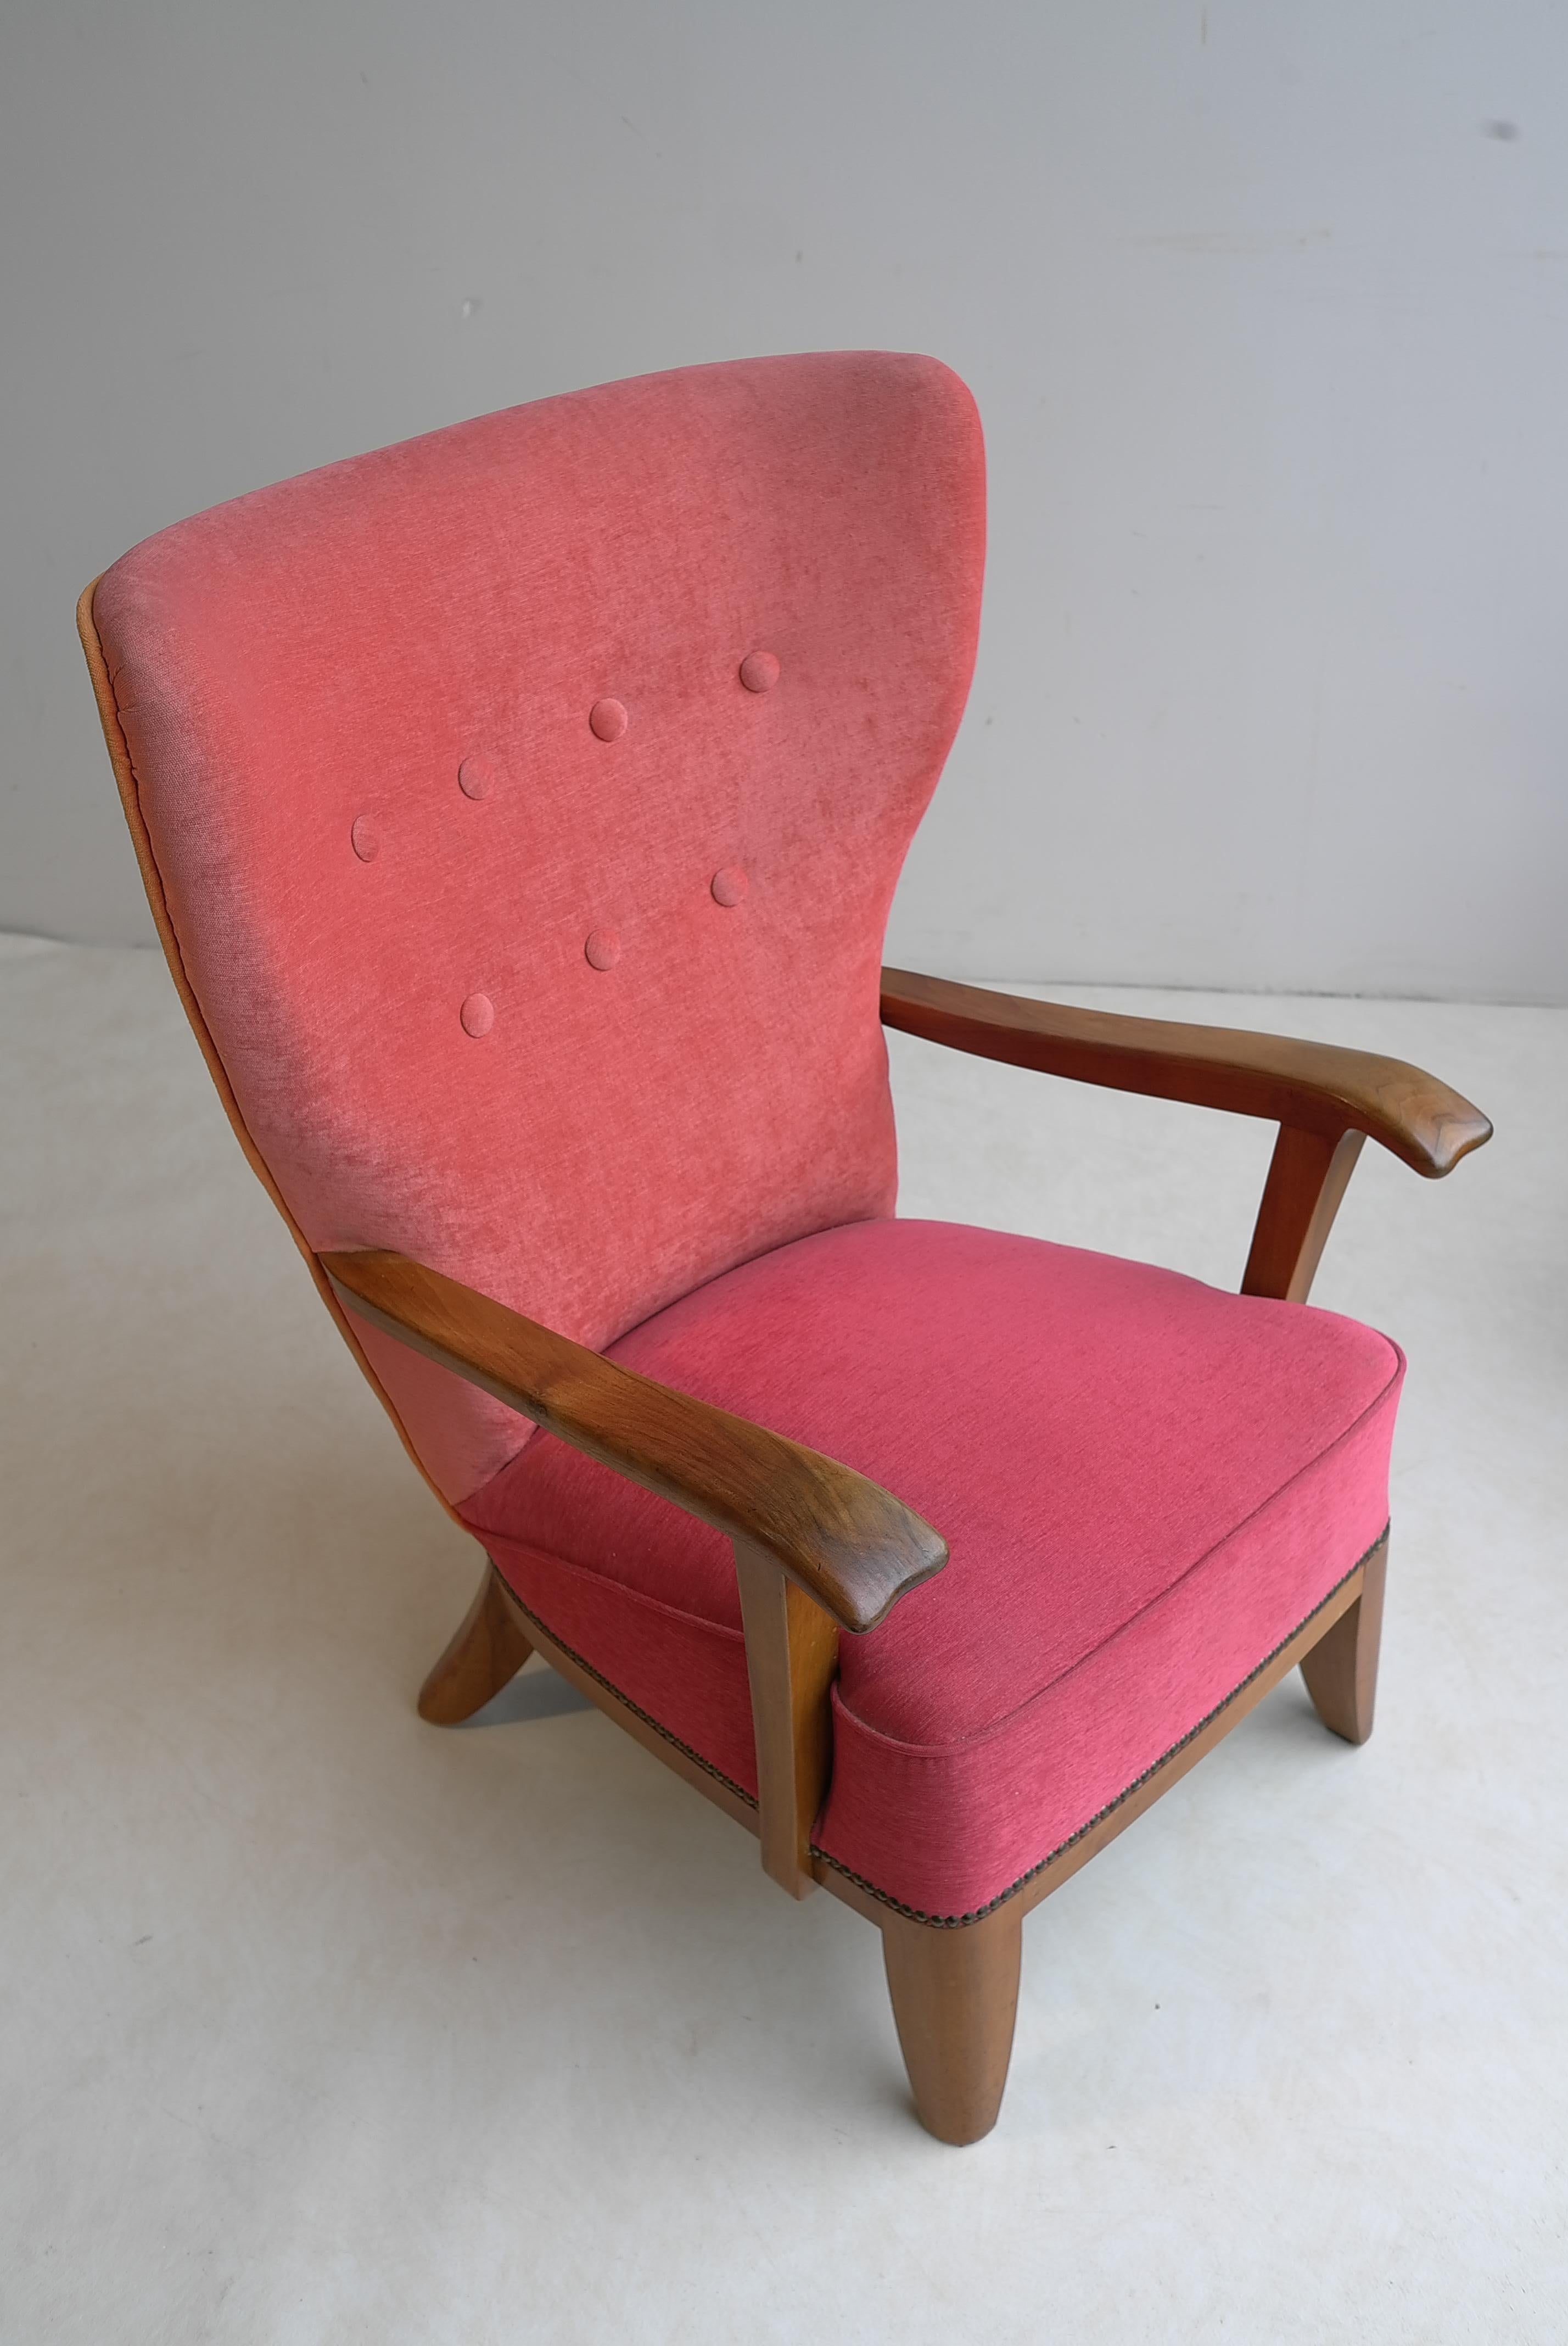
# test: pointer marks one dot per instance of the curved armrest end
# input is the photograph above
(1314, 1087)
(850, 1545)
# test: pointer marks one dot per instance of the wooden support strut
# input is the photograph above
(791, 1660)
(1308, 1177)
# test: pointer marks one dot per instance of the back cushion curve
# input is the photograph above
(528, 800)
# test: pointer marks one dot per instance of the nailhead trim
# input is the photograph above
(960, 1922)
(636, 1708)
(883, 1897)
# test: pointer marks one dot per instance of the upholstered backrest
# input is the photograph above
(527, 800)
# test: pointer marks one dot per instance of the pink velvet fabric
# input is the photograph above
(410, 732)
(1147, 1486)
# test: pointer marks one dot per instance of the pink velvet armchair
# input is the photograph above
(520, 809)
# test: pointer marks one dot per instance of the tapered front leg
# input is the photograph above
(488, 1649)
(1342, 1670)
(955, 1999)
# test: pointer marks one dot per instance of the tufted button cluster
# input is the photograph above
(477, 779)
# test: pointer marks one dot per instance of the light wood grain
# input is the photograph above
(1342, 1670)
(485, 1652)
(1312, 1087)
(791, 1662)
(955, 2001)
(1308, 1177)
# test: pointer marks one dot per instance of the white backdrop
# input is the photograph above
(1265, 307)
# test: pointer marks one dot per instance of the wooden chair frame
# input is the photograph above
(819, 1548)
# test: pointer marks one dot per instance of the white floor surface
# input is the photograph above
(320, 2024)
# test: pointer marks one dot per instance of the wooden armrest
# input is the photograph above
(1318, 1087)
(848, 1543)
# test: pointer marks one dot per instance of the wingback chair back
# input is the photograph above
(526, 801)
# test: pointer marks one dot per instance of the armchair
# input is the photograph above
(520, 810)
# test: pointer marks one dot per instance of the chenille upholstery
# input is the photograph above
(1147, 1486)
(576, 1006)
(523, 805)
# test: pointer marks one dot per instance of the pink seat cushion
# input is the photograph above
(1146, 1485)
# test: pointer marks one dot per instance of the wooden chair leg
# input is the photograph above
(955, 1998)
(1342, 1670)
(488, 1649)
